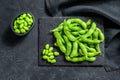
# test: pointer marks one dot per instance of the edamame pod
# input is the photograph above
(77, 20)
(74, 52)
(61, 46)
(67, 33)
(58, 36)
(68, 45)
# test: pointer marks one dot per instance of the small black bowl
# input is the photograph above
(16, 18)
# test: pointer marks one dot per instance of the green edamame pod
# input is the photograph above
(74, 52)
(83, 32)
(90, 41)
(95, 35)
(101, 35)
(74, 28)
(91, 49)
(88, 23)
(76, 33)
(83, 48)
(98, 48)
(75, 59)
(59, 28)
(80, 52)
(61, 46)
(68, 46)
(68, 58)
(91, 59)
(91, 30)
(58, 36)
(77, 20)
(93, 54)
(67, 33)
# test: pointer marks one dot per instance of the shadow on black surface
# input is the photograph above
(10, 39)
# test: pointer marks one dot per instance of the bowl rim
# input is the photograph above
(15, 19)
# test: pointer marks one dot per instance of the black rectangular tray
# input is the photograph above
(45, 36)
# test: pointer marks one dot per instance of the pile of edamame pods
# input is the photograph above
(78, 40)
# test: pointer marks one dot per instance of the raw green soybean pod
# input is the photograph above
(93, 54)
(91, 59)
(83, 32)
(58, 36)
(75, 59)
(91, 49)
(59, 28)
(68, 46)
(68, 58)
(95, 37)
(67, 33)
(89, 22)
(77, 20)
(84, 50)
(101, 35)
(90, 41)
(91, 30)
(61, 46)
(74, 52)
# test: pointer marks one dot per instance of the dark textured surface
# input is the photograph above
(45, 36)
(19, 56)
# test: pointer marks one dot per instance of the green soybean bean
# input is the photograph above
(91, 30)
(43, 52)
(77, 20)
(26, 28)
(22, 31)
(67, 33)
(58, 36)
(68, 46)
(74, 52)
(53, 61)
(51, 57)
(83, 48)
(17, 31)
(59, 28)
(61, 46)
(101, 35)
(50, 49)
(46, 52)
(29, 15)
(45, 57)
(51, 54)
(56, 53)
(47, 46)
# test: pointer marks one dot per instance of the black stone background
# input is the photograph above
(19, 56)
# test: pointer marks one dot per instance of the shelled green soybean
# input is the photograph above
(78, 40)
(49, 55)
(23, 23)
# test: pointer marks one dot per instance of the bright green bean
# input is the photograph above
(74, 52)
(68, 46)
(61, 46)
